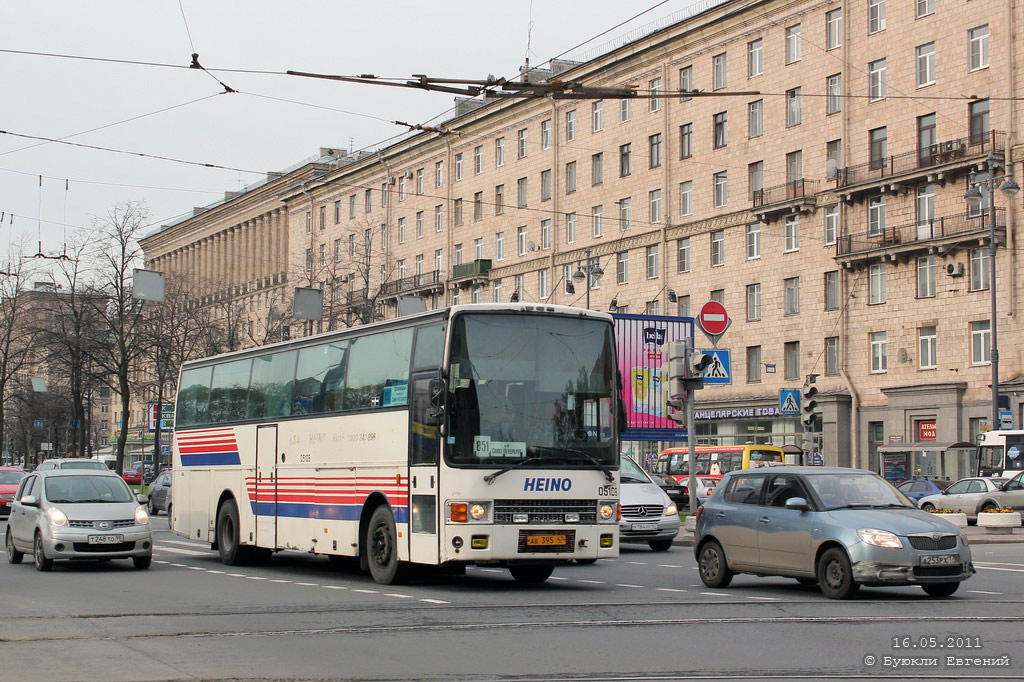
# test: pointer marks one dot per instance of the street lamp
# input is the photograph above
(1010, 188)
(590, 272)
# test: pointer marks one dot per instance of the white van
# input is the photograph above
(648, 514)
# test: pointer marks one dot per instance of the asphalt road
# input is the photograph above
(643, 616)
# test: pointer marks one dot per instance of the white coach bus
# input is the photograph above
(477, 434)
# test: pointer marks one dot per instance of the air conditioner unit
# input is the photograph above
(955, 269)
(408, 175)
(392, 180)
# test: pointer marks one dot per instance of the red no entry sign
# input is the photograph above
(713, 319)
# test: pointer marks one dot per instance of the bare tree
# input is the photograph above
(16, 340)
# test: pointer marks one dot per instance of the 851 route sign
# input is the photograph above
(713, 320)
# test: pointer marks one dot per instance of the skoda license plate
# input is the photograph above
(545, 540)
(106, 539)
(644, 526)
(940, 560)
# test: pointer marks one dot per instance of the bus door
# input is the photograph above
(424, 454)
(266, 486)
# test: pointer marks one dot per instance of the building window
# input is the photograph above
(753, 302)
(478, 206)
(457, 255)
(521, 240)
(721, 182)
(925, 7)
(755, 118)
(597, 220)
(499, 246)
(979, 120)
(720, 122)
(597, 116)
(925, 64)
(719, 70)
(980, 269)
(926, 277)
(499, 199)
(351, 246)
(685, 82)
(686, 141)
(309, 259)
(654, 204)
(683, 255)
(834, 89)
(876, 215)
(878, 148)
(419, 224)
(439, 174)
(794, 109)
(927, 347)
(403, 191)
(717, 248)
(419, 180)
(337, 250)
(876, 16)
(499, 152)
(457, 212)
(683, 306)
(653, 267)
(622, 267)
(833, 29)
(401, 231)
(570, 125)
(522, 143)
(543, 283)
(717, 295)
(654, 147)
(832, 290)
(496, 291)
(791, 296)
(570, 228)
(351, 206)
(458, 166)
(545, 233)
(367, 200)
(625, 214)
(625, 110)
(977, 48)
(794, 167)
(545, 185)
(877, 283)
(625, 159)
(545, 134)
(755, 58)
(879, 351)
(832, 356)
(522, 187)
(478, 248)
(570, 177)
(791, 360)
(478, 160)
(981, 342)
(753, 364)
(654, 86)
(830, 231)
(597, 168)
(876, 80)
(686, 198)
(753, 240)
(791, 234)
(755, 178)
(793, 44)
(439, 218)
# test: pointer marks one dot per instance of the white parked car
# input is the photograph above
(968, 495)
(648, 514)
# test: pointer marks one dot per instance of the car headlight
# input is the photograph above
(141, 516)
(606, 511)
(880, 538)
(57, 517)
(671, 509)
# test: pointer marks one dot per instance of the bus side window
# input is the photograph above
(429, 346)
(378, 370)
(194, 399)
(229, 391)
(317, 366)
(271, 386)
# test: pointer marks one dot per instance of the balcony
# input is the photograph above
(938, 163)
(467, 274)
(427, 282)
(792, 197)
(901, 242)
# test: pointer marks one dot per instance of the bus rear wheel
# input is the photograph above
(530, 574)
(381, 544)
(231, 551)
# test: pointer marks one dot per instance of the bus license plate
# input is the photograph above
(545, 540)
(644, 526)
(940, 560)
(106, 539)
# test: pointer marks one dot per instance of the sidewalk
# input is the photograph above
(975, 535)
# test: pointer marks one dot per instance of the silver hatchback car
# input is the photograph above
(78, 514)
(840, 528)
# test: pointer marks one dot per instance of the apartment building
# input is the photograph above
(804, 162)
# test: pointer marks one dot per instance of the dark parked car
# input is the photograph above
(917, 488)
(840, 528)
(160, 493)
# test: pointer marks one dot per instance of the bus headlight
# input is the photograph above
(469, 512)
(57, 517)
(606, 511)
(477, 511)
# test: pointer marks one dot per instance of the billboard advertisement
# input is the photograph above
(643, 360)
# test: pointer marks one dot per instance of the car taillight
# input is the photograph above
(700, 510)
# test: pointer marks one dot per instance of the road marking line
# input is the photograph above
(232, 575)
(157, 561)
(592, 582)
(996, 563)
(766, 598)
(490, 570)
(179, 565)
(255, 577)
(196, 568)
(627, 585)
(280, 581)
(400, 596)
(367, 591)
(185, 544)
(210, 570)
(669, 589)
(638, 563)
(982, 592)
(996, 568)
(335, 587)
(176, 550)
(308, 584)
(715, 594)
(668, 566)
(556, 577)
(435, 601)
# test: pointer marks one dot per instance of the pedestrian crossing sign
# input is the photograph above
(789, 401)
(720, 369)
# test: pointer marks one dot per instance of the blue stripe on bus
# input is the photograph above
(210, 459)
(331, 512)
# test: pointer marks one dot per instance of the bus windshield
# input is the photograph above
(530, 387)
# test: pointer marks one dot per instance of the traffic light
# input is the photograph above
(808, 404)
(678, 351)
(696, 363)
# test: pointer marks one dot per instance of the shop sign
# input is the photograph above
(737, 413)
(927, 430)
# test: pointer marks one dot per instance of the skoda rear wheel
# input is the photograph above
(713, 568)
(940, 589)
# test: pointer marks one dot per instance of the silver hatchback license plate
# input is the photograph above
(106, 539)
(644, 526)
(940, 560)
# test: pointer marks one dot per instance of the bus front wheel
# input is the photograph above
(529, 573)
(381, 544)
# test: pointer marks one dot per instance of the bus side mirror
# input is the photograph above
(436, 392)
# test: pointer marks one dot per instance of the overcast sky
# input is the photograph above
(57, 98)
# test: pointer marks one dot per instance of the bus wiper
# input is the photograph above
(489, 478)
(584, 455)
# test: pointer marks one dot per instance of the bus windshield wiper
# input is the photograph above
(584, 455)
(489, 478)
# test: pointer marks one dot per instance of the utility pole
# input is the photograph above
(686, 375)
